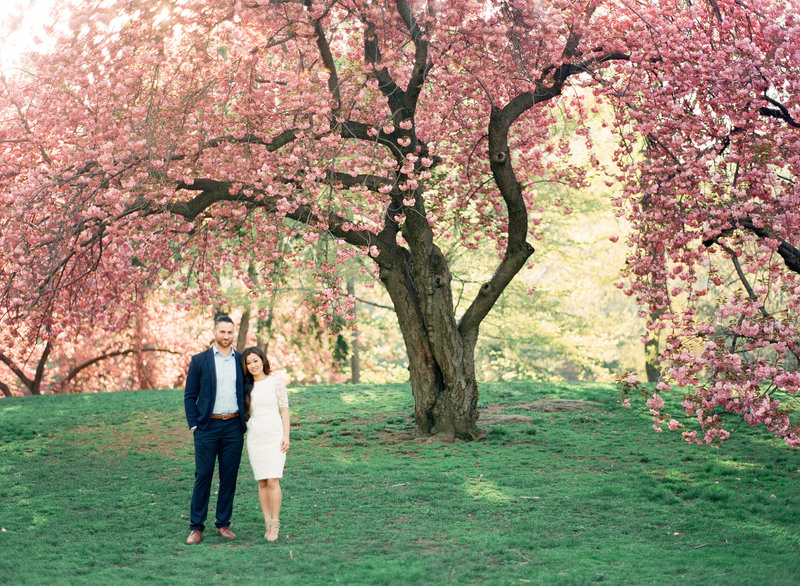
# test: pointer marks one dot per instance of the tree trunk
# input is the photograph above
(264, 333)
(264, 325)
(244, 323)
(36, 383)
(244, 328)
(31, 386)
(652, 365)
(355, 360)
(441, 361)
(144, 370)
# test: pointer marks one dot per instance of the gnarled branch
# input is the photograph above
(779, 111)
(789, 253)
(75, 370)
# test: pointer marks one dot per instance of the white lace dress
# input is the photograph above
(265, 428)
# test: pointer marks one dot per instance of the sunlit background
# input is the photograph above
(23, 27)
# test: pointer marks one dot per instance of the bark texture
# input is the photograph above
(441, 360)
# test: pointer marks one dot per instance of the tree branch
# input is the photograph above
(743, 278)
(716, 9)
(372, 55)
(73, 372)
(24, 120)
(421, 65)
(518, 250)
(780, 111)
(272, 145)
(789, 254)
(527, 100)
(372, 182)
(16, 370)
(330, 64)
(374, 304)
(213, 191)
(359, 130)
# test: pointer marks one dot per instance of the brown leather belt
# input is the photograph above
(225, 416)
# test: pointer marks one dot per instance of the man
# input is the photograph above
(214, 403)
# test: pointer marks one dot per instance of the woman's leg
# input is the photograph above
(274, 498)
(264, 499)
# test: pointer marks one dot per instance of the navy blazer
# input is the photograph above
(201, 389)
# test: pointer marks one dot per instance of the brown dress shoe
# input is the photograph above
(195, 537)
(226, 532)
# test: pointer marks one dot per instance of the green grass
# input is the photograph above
(95, 489)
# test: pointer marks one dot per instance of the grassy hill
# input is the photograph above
(95, 489)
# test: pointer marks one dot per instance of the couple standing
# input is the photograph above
(227, 394)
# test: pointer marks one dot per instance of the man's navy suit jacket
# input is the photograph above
(201, 389)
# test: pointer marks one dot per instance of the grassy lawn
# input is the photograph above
(95, 489)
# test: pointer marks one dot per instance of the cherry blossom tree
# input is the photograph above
(715, 209)
(177, 137)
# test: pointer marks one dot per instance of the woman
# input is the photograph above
(267, 404)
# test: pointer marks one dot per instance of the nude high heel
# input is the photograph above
(273, 529)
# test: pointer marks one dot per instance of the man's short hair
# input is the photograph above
(220, 319)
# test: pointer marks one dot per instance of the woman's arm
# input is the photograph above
(285, 419)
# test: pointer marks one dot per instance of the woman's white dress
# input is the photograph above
(265, 428)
